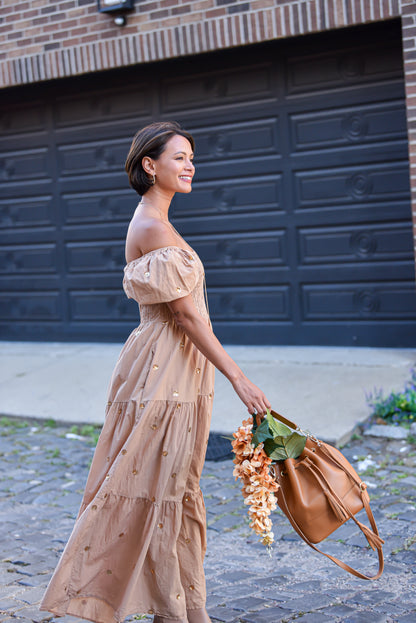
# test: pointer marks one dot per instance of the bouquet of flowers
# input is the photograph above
(256, 448)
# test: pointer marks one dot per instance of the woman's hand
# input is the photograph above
(251, 395)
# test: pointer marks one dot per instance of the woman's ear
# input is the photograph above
(148, 165)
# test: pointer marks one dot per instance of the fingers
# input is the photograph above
(258, 405)
(252, 397)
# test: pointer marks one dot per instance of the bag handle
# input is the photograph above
(284, 420)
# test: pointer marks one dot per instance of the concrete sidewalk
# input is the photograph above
(321, 389)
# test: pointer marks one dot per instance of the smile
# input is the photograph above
(185, 178)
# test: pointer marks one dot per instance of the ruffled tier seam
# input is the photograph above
(188, 494)
(209, 395)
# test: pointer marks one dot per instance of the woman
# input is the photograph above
(139, 541)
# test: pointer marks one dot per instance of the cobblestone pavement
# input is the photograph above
(43, 470)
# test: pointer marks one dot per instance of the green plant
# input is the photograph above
(280, 442)
(5, 421)
(397, 407)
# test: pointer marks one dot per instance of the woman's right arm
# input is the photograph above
(196, 328)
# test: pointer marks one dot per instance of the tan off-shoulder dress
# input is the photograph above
(140, 537)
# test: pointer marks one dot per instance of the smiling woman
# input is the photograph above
(140, 538)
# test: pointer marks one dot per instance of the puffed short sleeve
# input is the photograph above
(161, 276)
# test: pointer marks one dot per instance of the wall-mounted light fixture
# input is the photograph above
(116, 8)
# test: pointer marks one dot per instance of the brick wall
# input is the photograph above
(42, 40)
(409, 57)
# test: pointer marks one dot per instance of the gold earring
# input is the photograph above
(154, 179)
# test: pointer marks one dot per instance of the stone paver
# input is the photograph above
(42, 473)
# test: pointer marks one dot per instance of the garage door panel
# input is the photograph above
(94, 281)
(217, 88)
(100, 305)
(374, 243)
(318, 72)
(225, 170)
(30, 306)
(25, 165)
(98, 207)
(232, 196)
(343, 186)
(234, 302)
(91, 233)
(109, 181)
(101, 107)
(389, 211)
(19, 120)
(100, 256)
(249, 222)
(248, 276)
(364, 155)
(17, 259)
(364, 271)
(22, 212)
(236, 140)
(243, 250)
(354, 301)
(92, 157)
(353, 126)
(21, 190)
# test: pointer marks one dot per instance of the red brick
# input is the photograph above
(40, 20)
(149, 6)
(409, 44)
(41, 38)
(48, 9)
(159, 14)
(215, 12)
(186, 8)
(29, 14)
(81, 30)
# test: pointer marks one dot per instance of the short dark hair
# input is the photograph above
(150, 141)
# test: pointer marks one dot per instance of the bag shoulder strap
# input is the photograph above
(338, 562)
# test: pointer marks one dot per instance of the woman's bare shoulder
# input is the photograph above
(146, 234)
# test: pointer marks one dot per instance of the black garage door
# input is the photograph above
(300, 208)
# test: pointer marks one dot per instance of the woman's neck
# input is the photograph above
(158, 202)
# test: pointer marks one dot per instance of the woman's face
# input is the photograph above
(174, 168)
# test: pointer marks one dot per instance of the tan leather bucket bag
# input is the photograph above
(319, 491)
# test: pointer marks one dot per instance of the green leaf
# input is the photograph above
(262, 433)
(277, 428)
(281, 448)
(270, 446)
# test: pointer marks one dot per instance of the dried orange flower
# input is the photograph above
(252, 467)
